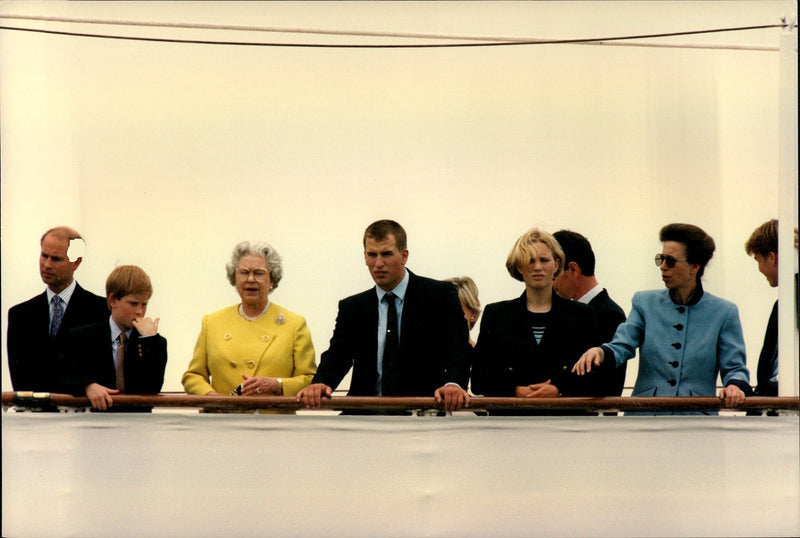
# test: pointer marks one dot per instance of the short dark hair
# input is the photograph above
(576, 249)
(764, 239)
(381, 229)
(699, 245)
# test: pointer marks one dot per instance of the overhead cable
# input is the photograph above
(472, 41)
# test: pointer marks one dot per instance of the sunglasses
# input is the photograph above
(669, 260)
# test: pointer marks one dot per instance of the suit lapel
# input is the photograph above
(72, 312)
(559, 322)
(370, 323)
(410, 310)
(523, 326)
(40, 323)
(362, 325)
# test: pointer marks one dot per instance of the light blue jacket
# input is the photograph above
(682, 347)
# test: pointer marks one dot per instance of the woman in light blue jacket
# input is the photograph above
(685, 335)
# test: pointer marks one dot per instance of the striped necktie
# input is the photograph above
(121, 362)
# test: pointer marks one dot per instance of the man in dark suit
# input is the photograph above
(404, 337)
(578, 282)
(763, 246)
(121, 354)
(37, 328)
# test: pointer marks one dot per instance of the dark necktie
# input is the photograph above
(121, 362)
(391, 384)
(58, 315)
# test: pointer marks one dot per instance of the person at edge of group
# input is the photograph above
(685, 335)
(468, 296)
(763, 246)
(577, 281)
(405, 336)
(37, 328)
(123, 354)
(527, 346)
(256, 347)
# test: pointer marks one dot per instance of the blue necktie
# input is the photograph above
(58, 315)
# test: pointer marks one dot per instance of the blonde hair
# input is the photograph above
(521, 251)
(468, 295)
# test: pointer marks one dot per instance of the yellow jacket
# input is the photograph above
(278, 344)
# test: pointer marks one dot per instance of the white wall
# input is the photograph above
(254, 475)
(166, 155)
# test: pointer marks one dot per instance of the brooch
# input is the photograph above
(281, 319)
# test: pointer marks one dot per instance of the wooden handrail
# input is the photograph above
(679, 403)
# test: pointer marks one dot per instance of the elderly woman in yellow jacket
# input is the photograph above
(256, 347)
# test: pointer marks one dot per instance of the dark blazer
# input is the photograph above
(609, 317)
(88, 359)
(768, 357)
(506, 355)
(32, 353)
(434, 340)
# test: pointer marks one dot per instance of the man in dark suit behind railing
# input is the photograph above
(763, 246)
(425, 353)
(578, 282)
(38, 327)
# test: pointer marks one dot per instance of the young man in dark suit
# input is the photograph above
(121, 354)
(763, 246)
(406, 336)
(578, 282)
(38, 327)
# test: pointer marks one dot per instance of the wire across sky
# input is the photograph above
(431, 40)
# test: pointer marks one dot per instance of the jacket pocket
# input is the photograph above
(649, 391)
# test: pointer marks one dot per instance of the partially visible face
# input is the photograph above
(470, 315)
(540, 270)
(768, 266)
(683, 274)
(566, 284)
(126, 310)
(252, 280)
(54, 267)
(385, 262)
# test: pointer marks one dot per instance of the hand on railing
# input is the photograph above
(312, 395)
(100, 396)
(732, 396)
(453, 396)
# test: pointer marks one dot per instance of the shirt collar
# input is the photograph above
(66, 293)
(116, 330)
(591, 294)
(399, 290)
